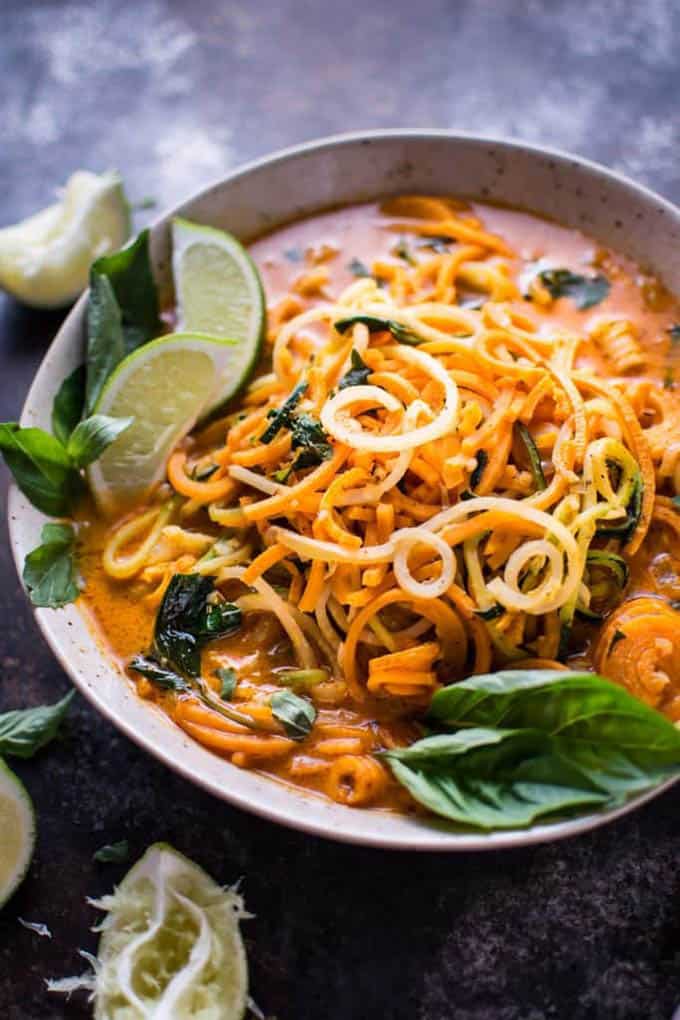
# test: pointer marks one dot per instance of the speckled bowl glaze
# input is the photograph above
(257, 199)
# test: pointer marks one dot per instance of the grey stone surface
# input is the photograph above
(174, 94)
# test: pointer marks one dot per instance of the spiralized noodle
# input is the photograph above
(430, 476)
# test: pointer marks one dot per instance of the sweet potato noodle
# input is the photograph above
(480, 428)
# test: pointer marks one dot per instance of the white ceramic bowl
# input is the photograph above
(256, 199)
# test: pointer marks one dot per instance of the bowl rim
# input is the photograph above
(435, 836)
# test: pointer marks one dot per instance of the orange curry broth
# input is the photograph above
(117, 609)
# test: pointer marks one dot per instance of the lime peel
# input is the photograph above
(170, 946)
(17, 823)
(45, 259)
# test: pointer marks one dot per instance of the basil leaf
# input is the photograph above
(310, 438)
(568, 741)
(186, 621)
(91, 437)
(25, 731)
(105, 342)
(49, 571)
(281, 419)
(129, 273)
(41, 468)
(295, 713)
(228, 680)
(585, 291)
(68, 406)
(358, 373)
(159, 675)
(674, 332)
(377, 325)
(493, 779)
(580, 706)
(358, 268)
(113, 853)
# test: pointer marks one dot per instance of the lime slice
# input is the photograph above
(166, 385)
(170, 945)
(45, 259)
(218, 291)
(17, 832)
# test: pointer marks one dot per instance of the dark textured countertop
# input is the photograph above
(173, 94)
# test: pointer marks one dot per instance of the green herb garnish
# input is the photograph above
(130, 275)
(358, 373)
(476, 476)
(524, 745)
(69, 405)
(674, 332)
(228, 680)
(24, 731)
(310, 438)
(358, 268)
(281, 418)
(112, 853)
(584, 291)
(377, 325)
(188, 619)
(402, 251)
(50, 573)
(296, 714)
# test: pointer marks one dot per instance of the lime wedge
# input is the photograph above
(170, 944)
(45, 259)
(17, 832)
(166, 386)
(218, 291)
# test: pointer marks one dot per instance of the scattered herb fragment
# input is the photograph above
(310, 438)
(24, 731)
(584, 291)
(377, 325)
(402, 251)
(296, 714)
(358, 268)
(358, 373)
(674, 332)
(113, 853)
(228, 680)
(476, 476)
(281, 418)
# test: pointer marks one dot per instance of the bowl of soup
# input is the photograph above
(456, 459)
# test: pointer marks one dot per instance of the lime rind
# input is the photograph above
(170, 944)
(45, 259)
(218, 289)
(17, 820)
(166, 385)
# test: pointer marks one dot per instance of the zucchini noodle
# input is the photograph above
(429, 476)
